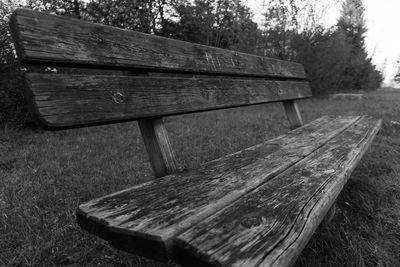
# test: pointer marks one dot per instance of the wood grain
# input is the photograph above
(329, 216)
(271, 225)
(145, 219)
(62, 100)
(44, 39)
(158, 146)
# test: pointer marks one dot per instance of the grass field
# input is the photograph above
(45, 175)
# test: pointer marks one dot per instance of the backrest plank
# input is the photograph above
(48, 39)
(63, 101)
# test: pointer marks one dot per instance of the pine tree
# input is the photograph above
(360, 73)
(352, 22)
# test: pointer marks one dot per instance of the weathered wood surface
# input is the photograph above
(293, 114)
(62, 100)
(271, 225)
(329, 216)
(45, 38)
(144, 219)
(161, 155)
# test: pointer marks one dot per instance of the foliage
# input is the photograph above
(147, 16)
(12, 103)
(360, 73)
(397, 77)
(281, 23)
(225, 24)
(334, 59)
(323, 55)
(71, 8)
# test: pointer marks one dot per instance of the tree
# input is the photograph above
(397, 76)
(149, 16)
(324, 56)
(219, 23)
(73, 8)
(281, 21)
(360, 73)
(286, 19)
(352, 23)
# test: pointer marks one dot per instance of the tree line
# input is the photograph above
(335, 58)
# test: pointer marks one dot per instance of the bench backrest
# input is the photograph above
(153, 76)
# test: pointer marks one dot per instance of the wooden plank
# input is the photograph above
(145, 219)
(63, 100)
(329, 216)
(155, 137)
(271, 225)
(293, 114)
(46, 39)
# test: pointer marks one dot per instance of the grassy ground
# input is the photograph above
(45, 175)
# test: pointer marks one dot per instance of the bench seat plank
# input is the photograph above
(44, 39)
(145, 219)
(271, 225)
(62, 100)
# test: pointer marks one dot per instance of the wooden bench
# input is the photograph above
(258, 206)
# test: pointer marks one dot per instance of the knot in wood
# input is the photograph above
(118, 97)
(251, 221)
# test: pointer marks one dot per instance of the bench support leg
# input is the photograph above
(293, 114)
(155, 138)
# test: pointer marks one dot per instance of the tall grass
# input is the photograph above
(45, 175)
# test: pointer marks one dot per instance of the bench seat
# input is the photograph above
(256, 206)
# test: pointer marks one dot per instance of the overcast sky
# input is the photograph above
(383, 36)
